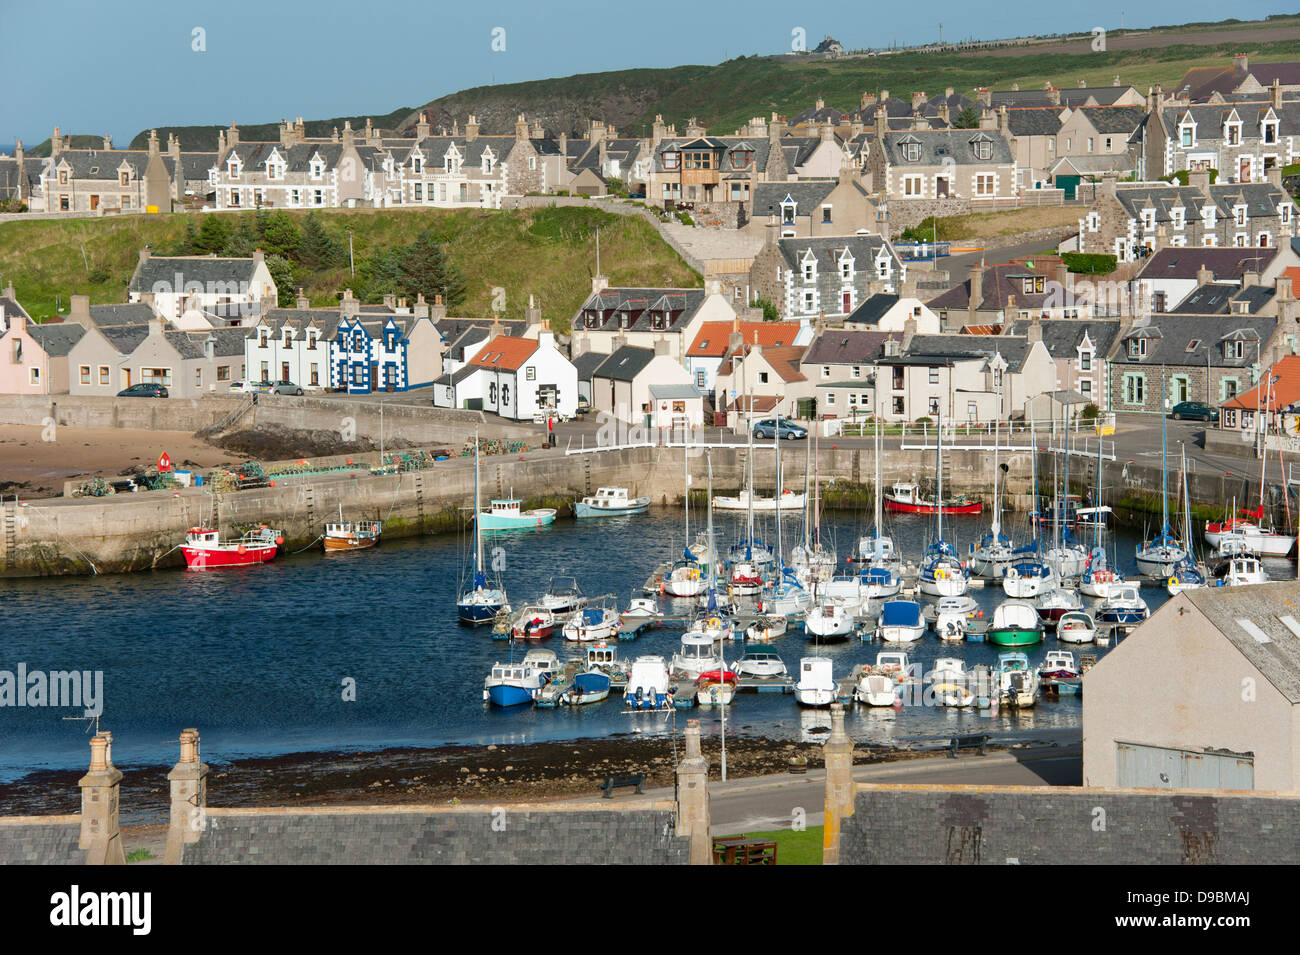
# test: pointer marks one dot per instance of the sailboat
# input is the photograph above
(811, 559)
(1029, 575)
(686, 577)
(942, 573)
(1186, 576)
(788, 595)
(882, 576)
(712, 619)
(1161, 556)
(995, 552)
(1098, 576)
(749, 555)
(481, 602)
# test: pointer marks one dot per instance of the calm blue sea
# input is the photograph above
(257, 658)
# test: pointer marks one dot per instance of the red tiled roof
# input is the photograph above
(1285, 393)
(504, 353)
(713, 337)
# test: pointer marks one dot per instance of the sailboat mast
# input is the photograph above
(938, 469)
(1098, 516)
(876, 496)
(1033, 479)
(478, 522)
(1164, 461)
(997, 511)
(780, 554)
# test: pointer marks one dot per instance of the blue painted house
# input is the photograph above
(383, 352)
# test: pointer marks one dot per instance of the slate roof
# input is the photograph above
(625, 363)
(110, 315)
(1201, 82)
(1034, 121)
(1224, 264)
(646, 309)
(827, 250)
(728, 146)
(1071, 96)
(840, 347)
(669, 392)
(1192, 339)
(106, 164)
(276, 319)
(1062, 336)
(56, 339)
(11, 307)
(125, 338)
(998, 283)
(939, 145)
(226, 342)
(1216, 298)
(587, 363)
(923, 348)
(872, 310)
(207, 270)
(1265, 606)
(1114, 119)
(1210, 119)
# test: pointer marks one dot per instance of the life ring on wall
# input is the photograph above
(1173, 581)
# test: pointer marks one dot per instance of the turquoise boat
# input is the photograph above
(504, 514)
(1015, 624)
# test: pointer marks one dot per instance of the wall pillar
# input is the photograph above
(837, 752)
(100, 836)
(693, 798)
(189, 798)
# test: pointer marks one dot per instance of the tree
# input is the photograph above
(243, 240)
(279, 233)
(968, 118)
(770, 311)
(424, 269)
(188, 243)
(281, 269)
(380, 275)
(317, 249)
(212, 236)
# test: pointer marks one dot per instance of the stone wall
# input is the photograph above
(984, 825)
(642, 833)
(905, 213)
(41, 840)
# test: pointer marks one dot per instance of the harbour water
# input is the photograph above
(261, 659)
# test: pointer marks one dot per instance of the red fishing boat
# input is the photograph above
(204, 548)
(907, 498)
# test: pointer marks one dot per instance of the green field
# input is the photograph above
(549, 253)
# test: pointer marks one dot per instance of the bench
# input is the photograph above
(741, 851)
(967, 742)
(617, 782)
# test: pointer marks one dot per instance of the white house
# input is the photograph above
(884, 312)
(237, 291)
(516, 378)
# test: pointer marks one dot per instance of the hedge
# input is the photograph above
(1089, 263)
(1181, 176)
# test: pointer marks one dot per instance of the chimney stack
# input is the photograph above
(1204, 276)
(471, 129)
(437, 311)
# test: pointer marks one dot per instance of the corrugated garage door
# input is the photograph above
(1155, 767)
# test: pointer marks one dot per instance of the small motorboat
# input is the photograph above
(1015, 624)
(589, 686)
(1058, 665)
(948, 683)
(351, 535)
(765, 628)
(591, 624)
(610, 502)
(816, 686)
(649, 686)
(1017, 684)
(893, 664)
(716, 688)
(1124, 606)
(900, 621)
(788, 501)
(1242, 570)
(952, 616)
(642, 608)
(506, 514)
(907, 498)
(760, 662)
(534, 622)
(1076, 626)
(563, 595)
(512, 684)
(875, 689)
(205, 550)
(697, 654)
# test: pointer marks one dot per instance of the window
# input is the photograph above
(1228, 388)
(63, 177)
(1188, 139)
(912, 152)
(983, 149)
(1085, 361)
(934, 375)
(156, 376)
(85, 374)
(830, 398)
(897, 404)
(1234, 349)
(1233, 134)
(1229, 417)
(103, 374)
(898, 379)
(826, 371)
(223, 373)
(531, 374)
(809, 300)
(856, 371)
(826, 213)
(912, 185)
(762, 377)
(934, 407)
(315, 374)
(984, 184)
(125, 179)
(1085, 387)
(1134, 389)
(672, 159)
(126, 202)
(787, 213)
(198, 377)
(34, 375)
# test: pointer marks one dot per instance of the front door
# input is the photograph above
(1245, 171)
(284, 371)
(941, 187)
(126, 377)
(374, 376)
(848, 298)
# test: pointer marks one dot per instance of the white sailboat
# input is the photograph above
(686, 577)
(482, 601)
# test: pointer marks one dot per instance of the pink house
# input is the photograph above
(34, 358)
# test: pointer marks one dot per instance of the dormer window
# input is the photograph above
(1187, 135)
(742, 159)
(1137, 348)
(1239, 212)
(1234, 349)
(809, 271)
(417, 165)
(983, 149)
(1208, 215)
(317, 169)
(125, 178)
(234, 170)
(1269, 132)
(1177, 216)
(288, 338)
(672, 159)
(912, 152)
(788, 212)
(1232, 134)
(261, 338)
(1148, 220)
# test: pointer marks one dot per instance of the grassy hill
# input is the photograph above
(548, 252)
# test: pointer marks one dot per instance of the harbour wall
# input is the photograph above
(141, 531)
(986, 825)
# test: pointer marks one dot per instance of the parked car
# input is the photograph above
(583, 406)
(1194, 409)
(770, 426)
(143, 391)
(245, 386)
(286, 388)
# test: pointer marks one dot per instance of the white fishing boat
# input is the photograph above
(533, 622)
(610, 502)
(642, 608)
(900, 621)
(649, 685)
(507, 514)
(1058, 665)
(1244, 570)
(1124, 606)
(1017, 683)
(589, 686)
(697, 654)
(1076, 627)
(746, 500)
(816, 685)
(952, 617)
(760, 662)
(766, 627)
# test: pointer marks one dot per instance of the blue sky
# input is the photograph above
(91, 66)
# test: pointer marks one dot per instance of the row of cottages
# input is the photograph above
(645, 386)
(354, 348)
(197, 292)
(996, 295)
(716, 342)
(1132, 220)
(824, 276)
(1189, 278)
(646, 316)
(1243, 138)
(516, 378)
(106, 180)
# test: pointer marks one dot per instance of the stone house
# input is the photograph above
(234, 290)
(999, 294)
(824, 276)
(814, 207)
(292, 174)
(107, 180)
(1127, 219)
(719, 173)
(716, 340)
(643, 317)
